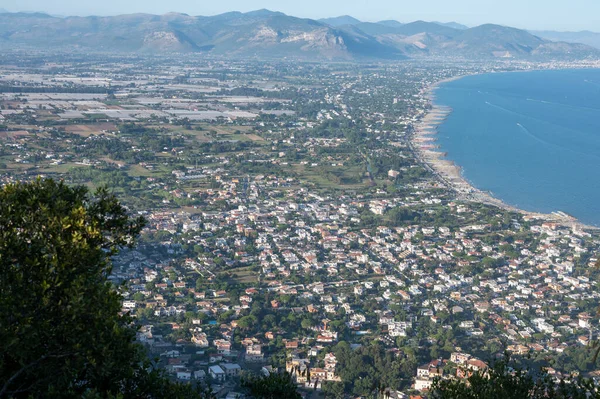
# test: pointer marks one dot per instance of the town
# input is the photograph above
(291, 225)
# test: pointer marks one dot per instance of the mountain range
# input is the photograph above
(585, 37)
(265, 33)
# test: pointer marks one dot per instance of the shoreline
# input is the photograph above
(424, 145)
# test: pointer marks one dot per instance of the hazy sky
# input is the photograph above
(532, 14)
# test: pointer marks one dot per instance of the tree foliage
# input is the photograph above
(502, 381)
(273, 386)
(370, 368)
(61, 331)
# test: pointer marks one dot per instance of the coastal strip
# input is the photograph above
(425, 147)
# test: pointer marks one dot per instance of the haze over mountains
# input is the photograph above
(265, 33)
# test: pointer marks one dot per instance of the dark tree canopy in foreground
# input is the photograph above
(61, 332)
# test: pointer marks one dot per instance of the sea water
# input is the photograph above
(532, 139)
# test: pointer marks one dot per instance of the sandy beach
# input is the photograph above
(424, 145)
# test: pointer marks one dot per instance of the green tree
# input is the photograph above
(61, 332)
(138, 296)
(334, 390)
(274, 386)
(502, 381)
(247, 322)
(306, 323)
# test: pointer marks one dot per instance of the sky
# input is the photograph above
(561, 15)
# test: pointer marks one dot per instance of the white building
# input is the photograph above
(216, 373)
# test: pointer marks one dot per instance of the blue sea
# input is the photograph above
(532, 139)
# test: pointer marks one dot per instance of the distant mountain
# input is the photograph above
(391, 23)
(340, 21)
(583, 37)
(270, 34)
(264, 13)
(2, 11)
(372, 28)
(454, 25)
(413, 39)
(417, 27)
(502, 41)
(498, 40)
(484, 41)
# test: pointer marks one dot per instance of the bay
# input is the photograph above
(532, 139)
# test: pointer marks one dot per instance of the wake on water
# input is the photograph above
(529, 117)
(560, 147)
(565, 105)
(527, 132)
(592, 82)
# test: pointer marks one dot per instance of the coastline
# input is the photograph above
(424, 145)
